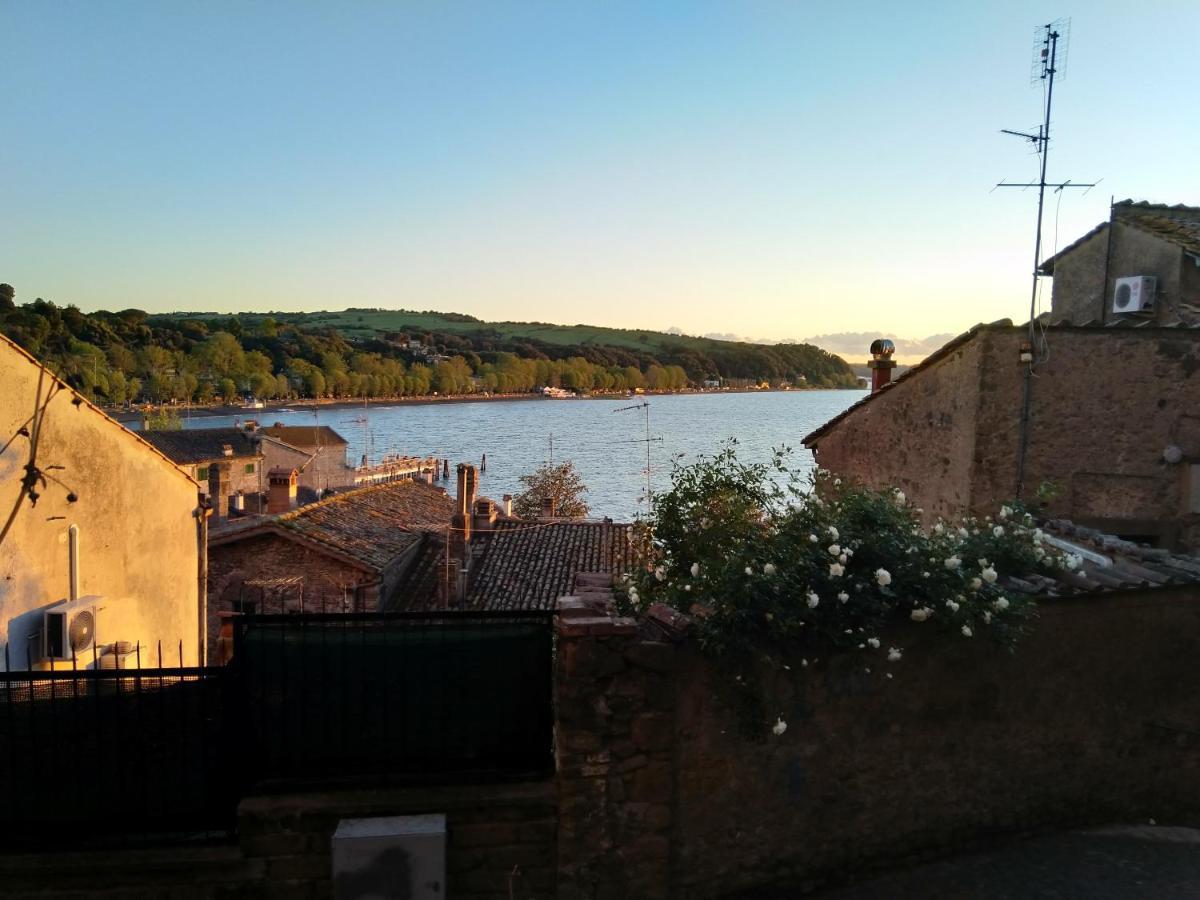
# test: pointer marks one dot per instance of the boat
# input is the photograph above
(557, 393)
(253, 403)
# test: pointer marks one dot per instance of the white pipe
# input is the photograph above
(73, 545)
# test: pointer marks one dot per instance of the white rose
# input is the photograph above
(894, 654)
(952, 562)
(769, 569)
(695, 569)
(883, 577)
(920, 615)
(843, 596)
(749, 571)
(779, 727)
(966, 630)
(989, 575)
(874, 642)
(813, 600)
(833, 532)
(834, 549)
(836, 570)
(998, 531)
(660, 573)
(1000, 604)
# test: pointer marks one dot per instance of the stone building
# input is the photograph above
(1140, 239)
(317, 452)
(345, 553)
(1111, 441)
(117, 527)
(226, 463)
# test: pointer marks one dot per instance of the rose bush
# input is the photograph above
(775, 567)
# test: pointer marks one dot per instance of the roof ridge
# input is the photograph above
(345, 495)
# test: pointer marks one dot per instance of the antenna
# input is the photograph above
(1049, 57)
(647, 440)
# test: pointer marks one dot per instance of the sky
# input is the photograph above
(771, 170)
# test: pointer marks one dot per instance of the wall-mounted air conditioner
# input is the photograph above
(69, 629)
(1134, 294)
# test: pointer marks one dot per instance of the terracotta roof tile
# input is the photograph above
(196, 445)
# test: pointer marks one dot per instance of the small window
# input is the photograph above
(202, 473)
(249, 468)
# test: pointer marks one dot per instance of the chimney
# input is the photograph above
(281, 494)
(506, 504)
(218, 488)
(468, 482)
(227, 449)
(549, 507)
(238, 502)
(881, 363)
(485, 514)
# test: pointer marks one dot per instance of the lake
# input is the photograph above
(606, 445)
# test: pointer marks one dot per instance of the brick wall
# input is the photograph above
(1092, 719)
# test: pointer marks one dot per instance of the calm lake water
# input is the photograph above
(606, 446)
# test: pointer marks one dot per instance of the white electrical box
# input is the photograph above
(390, 858)
(1134, 294)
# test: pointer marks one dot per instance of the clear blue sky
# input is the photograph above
(774, 170)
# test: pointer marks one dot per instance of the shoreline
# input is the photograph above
(334, 405)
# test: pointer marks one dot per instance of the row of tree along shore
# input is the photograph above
(126, 357)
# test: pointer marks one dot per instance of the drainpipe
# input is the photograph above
(73, 550)
(202, 512)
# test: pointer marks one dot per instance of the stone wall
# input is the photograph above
(329, 583)
(501, 846)
(918, 435)
(1092, 719)
(1104, 406)
(1078, 295)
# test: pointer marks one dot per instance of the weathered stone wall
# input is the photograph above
(329, 584)
(1092, 719)
(500, 846)
(918, 435)
(615, 739)
(1104, 405)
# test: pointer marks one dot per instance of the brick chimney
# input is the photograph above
(549, 508)
(506, 504)
(281, 492)
(485, 514)
(881, 363)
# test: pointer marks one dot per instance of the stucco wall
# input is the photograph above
(917, 435)
(1080, 292)
(327, 470)
(135, 513)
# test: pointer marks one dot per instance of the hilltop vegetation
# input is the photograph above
(132, 355)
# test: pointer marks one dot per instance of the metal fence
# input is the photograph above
(394, 696)
(113, 755)
(143, 755)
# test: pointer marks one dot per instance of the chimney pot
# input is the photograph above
(281, 493)
(881, 363)
(506, 504)
(549, 507)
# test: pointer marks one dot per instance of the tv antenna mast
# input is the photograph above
(647, 440)
(1050, 46)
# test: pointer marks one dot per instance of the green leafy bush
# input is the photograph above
(777, 570)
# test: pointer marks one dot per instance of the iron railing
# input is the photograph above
(349, 697)
(114, 755)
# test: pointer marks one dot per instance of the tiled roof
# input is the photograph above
(1109, 564)
(529, 566)
(305, 435)
(523, 565)
(373, 525)
(196, 445)
(1179, 224)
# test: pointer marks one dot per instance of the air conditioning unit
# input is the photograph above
(69, 629)
(1134, 294)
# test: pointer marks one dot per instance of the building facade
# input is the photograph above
(225, 463)
(116, 525)
(317, 452)
(1140, 239)
(1111, 440)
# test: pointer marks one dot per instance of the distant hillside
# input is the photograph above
(131, 355)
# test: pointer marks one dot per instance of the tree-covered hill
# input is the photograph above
(130, 355)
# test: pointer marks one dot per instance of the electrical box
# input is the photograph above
(1134, 294)
(394, 857)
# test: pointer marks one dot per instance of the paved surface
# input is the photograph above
(1125, 863)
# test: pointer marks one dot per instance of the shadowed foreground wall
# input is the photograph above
(1094, 718)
